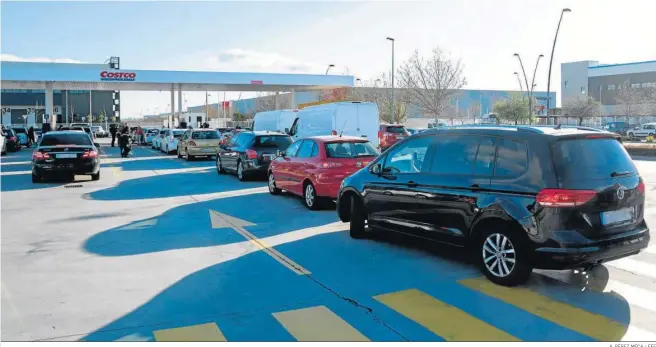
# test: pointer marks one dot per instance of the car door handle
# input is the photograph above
(412, 184)
(419, 196)
(387, 192)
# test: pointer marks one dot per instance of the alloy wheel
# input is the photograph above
(240, 171)
(309, 195)
(272, 183)
(499, 255)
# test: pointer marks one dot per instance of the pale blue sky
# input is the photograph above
(304, 37)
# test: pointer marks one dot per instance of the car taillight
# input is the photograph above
(192, 143)
(40, 155)
(564, 197)
(11, 138)
(641, 187)
(330, 165)
(90, 154)
(251, 154)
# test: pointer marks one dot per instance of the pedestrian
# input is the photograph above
(139, 135)
(113, 129)
(124, 142)
(30, 136)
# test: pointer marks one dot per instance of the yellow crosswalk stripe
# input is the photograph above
(317, 324)
(591, 324)
(448, 322)
(208, 332)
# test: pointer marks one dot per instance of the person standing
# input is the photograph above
(30, 136)
(113, 129)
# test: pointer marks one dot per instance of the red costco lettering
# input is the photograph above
(117, 76)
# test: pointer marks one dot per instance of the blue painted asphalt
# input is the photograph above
(240, 295)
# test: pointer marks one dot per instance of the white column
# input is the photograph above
(90, 109)
(49, 106)
(293, 97)
(172, 104)
(179, 103)
(277, 99)
(66, 109)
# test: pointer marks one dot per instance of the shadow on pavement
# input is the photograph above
(241, 292)
(172, 185)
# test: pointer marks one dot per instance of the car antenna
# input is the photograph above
(343, 126)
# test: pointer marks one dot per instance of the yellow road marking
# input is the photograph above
(448, 322)
(591, 324)
(261, 245)
(208, 332)
(318, 324)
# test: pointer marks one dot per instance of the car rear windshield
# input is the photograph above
(350, 150)
(589, 159)
(65, 139)
(178, 134)
(153, 131)
(281, 142)
(205, 135)
(396, 129)
(7, 132)
(19, 130)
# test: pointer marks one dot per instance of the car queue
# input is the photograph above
(515, 197)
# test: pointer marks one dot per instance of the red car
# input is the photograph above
(389, 134)
(314, 167)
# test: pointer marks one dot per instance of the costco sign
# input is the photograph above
(111, 76)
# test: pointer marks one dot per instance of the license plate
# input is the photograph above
(67, 155)
(617, 216)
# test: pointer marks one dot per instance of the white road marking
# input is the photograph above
(14, 173)
(634, 295)
(634, 266)
(16, 163)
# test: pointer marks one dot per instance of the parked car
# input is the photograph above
(198, 143)
(277, 120)
(169, 142)
(12, 142)
(80, 125)
(89, 132)
(65, 153)
(150, 135)
(155, 143)
(518, 197)
(99, 131)
(250, 153)
(644, 130)
(21, 133)
(620, 128)
(389, 134)
(352, 118)
(226, 136)
(315, 167)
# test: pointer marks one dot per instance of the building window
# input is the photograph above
(611, 87)
(565, 84)
(582, 90)
(635, 85)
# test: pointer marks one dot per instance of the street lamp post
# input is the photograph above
(533, 79)
(393, 109)
(519, 81)
(328, 69)
(551, 59)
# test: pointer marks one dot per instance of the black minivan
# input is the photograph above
(520, 197)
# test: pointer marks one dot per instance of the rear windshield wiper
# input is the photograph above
(620, 173)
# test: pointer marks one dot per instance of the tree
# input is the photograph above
(632, 100)
(514, 109)
(474, 110)
(381, 95)
(582, 108)
(264, 102)
(431, 83)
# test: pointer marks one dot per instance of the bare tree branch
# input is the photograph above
(431, 83)
(633, 100)
(582, 108)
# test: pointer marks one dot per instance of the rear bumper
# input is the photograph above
(615, 247)
(201, 151)
(79, 168)
(255, 167)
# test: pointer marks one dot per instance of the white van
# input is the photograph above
(351, 118)
(278, 120)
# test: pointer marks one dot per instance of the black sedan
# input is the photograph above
(13, 143)
(249, 153)
(65, 153)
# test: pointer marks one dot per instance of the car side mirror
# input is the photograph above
(286, 130)
(96, 144)
(280, 153)
(377, 169)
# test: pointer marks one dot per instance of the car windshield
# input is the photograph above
(205, 135)
(7, 132)
(350, 149)
(273, 141)
(95, 128)
(65, 139)
(178, 134)
(153, 131)
(88, 130)
(396, 129)
(19, 130)
(590, 159)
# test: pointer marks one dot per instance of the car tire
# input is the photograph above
(358, 218)
(219, 166)
(36, 178)
(310, 198)
(179, 155)
(95, 177)
(503, 255)
(190, 157)
(631, 136)
(273, 190)
(241, 175)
